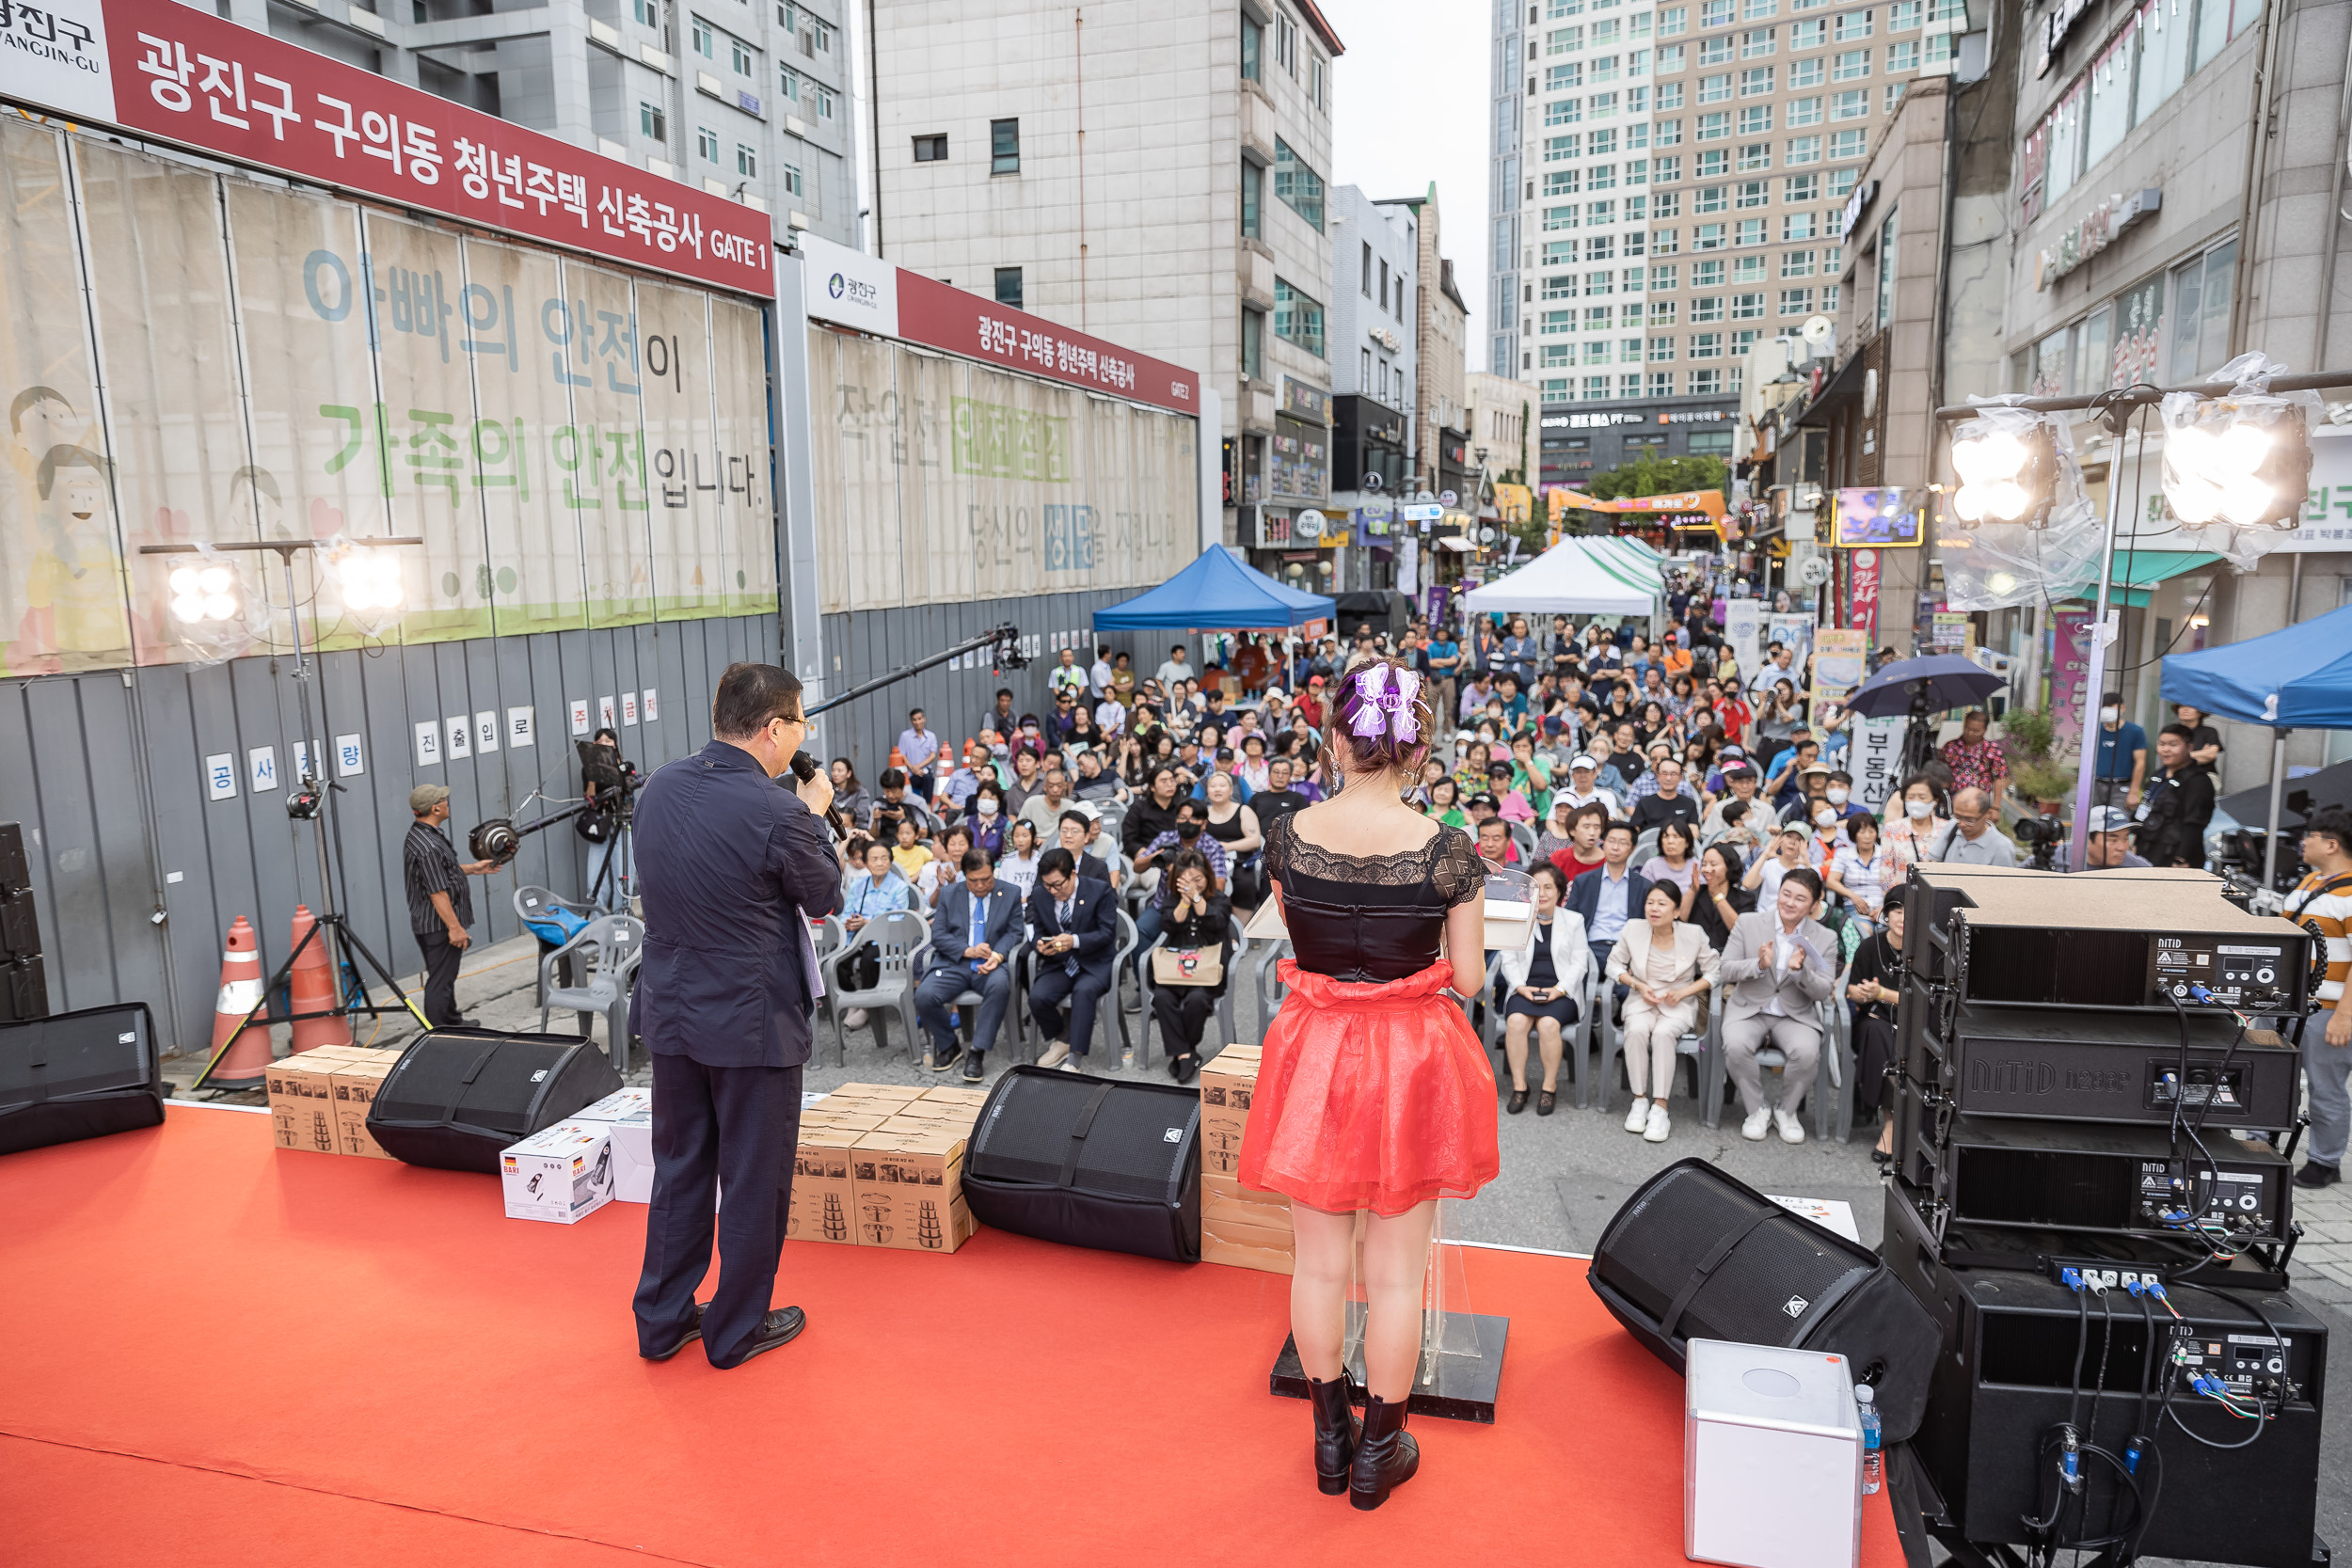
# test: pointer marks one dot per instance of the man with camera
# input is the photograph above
(733, 869)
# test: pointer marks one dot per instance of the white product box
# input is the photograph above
(628, 1115)
(560, 1174)
(1772, 1458)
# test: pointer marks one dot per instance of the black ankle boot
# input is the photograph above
(1386, 1455)
(1335, 1432)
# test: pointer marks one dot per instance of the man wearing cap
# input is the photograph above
(2110, 845)
(1740, 780)
(440, 905)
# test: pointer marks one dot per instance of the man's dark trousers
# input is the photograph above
(758, 1109)
(440, 978)
(1083, 992)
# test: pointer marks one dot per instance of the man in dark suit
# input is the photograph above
(731, 869)
(1074, 917)
(974, 933)
(1610, 895)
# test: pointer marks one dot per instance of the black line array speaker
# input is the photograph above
(1695, 1254)
(457, 1097)
(82, 1074)
(1091, 1162)
(23, 980)
(2005, 1378)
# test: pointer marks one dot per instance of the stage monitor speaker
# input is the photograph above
(1696, 1255)
(19, 923)
(15, 872)
(2005, 1379)
(1091, 1162)
(82, 1074)
(457, 1097)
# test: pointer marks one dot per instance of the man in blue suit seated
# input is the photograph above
(1077, 930)
(732, 869)
(974, 933)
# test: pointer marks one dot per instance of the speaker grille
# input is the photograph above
(1659, 1239)
(1026, 1132)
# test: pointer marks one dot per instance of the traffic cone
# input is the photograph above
(313, 984)
(898, 759)
(246, 1065)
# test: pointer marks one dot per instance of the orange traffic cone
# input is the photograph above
(898, 759)
(313, 984)
(246, 1063)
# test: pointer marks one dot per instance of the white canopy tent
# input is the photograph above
(1579, 575)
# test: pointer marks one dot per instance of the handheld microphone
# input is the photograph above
(804, 768)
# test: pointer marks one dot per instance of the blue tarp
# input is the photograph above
(2299, 678)
(1216, 593)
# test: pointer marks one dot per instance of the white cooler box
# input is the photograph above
(1772, 1458)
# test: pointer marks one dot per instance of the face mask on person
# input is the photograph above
(1836, 797)
(1918, 810)
(987, 808)
(2109, 715)
(1824, 818)
(1188, 830)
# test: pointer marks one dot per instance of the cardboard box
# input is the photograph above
(1228, 1084)
(908, 1187)
(627, 1116)
(1265, 1260)
(1222, 1195)
(845, 1120)
(942, 1094)
(823, 1207)
(562, 1174)
(355, 1088)
(302, 1102)
(896, 1093)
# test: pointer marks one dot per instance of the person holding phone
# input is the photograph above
(1542, 980)
(1197, 918)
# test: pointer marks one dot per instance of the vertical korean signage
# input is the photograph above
(1862, 594)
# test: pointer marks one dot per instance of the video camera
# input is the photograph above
(498, 840)
(2042, 836)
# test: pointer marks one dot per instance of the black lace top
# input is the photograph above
(1370, 918)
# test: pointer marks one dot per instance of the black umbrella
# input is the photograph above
(1947, 680)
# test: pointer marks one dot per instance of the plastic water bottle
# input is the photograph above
(1871, 1459)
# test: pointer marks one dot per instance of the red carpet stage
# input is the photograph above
(217, 1353)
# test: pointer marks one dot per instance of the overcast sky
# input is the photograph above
(1413, 102)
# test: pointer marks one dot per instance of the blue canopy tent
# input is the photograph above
(1216, 593)
(2296, 678)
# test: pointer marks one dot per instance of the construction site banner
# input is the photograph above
(179, 74)
(196, 358)
(938, 479)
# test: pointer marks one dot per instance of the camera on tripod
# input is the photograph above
(2043, 836)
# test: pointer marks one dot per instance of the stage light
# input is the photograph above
(2246, 463)
(370, 580)
(2006, 474)
(200, 594)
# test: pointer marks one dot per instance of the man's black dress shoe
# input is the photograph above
(684, 1339)
(779, 1327)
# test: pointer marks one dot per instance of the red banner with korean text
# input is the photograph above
(949, 318)
(1862, 593)
(183, 75)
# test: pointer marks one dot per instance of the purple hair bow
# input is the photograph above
(1382, 707)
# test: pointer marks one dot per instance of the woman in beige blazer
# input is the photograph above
(1669, 965)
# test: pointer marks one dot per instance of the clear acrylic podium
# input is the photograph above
(1461, 1350)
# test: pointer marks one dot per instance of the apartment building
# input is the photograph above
(748, 98)
(1156, 174)
(1374, 352)
(1684, 171)
(1442, 335)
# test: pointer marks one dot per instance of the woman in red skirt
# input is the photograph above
(1374, 1096)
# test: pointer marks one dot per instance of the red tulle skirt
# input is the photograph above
(1371, 1097)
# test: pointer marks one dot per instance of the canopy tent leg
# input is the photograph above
(2278, 793)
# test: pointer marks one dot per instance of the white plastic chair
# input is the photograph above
(1108, 1008)
(611, 945)
(894, 939)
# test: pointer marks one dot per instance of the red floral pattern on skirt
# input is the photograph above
(1372, 1096)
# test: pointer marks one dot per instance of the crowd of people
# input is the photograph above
(1660, 795)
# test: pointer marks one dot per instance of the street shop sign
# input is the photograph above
(168, 71)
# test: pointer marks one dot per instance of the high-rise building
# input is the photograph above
(748, 98)
(1514, 21)
(1152, 173)
(1684, 168)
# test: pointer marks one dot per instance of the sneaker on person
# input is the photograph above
(1758, 1119)
(1638, 1118)
(853, 1019)
(1072, 1064)
(1792, 1130)
(2314, 1174)
(973, 1070)
(1056, 1052)
(934, 1063)
(1659, 1126)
